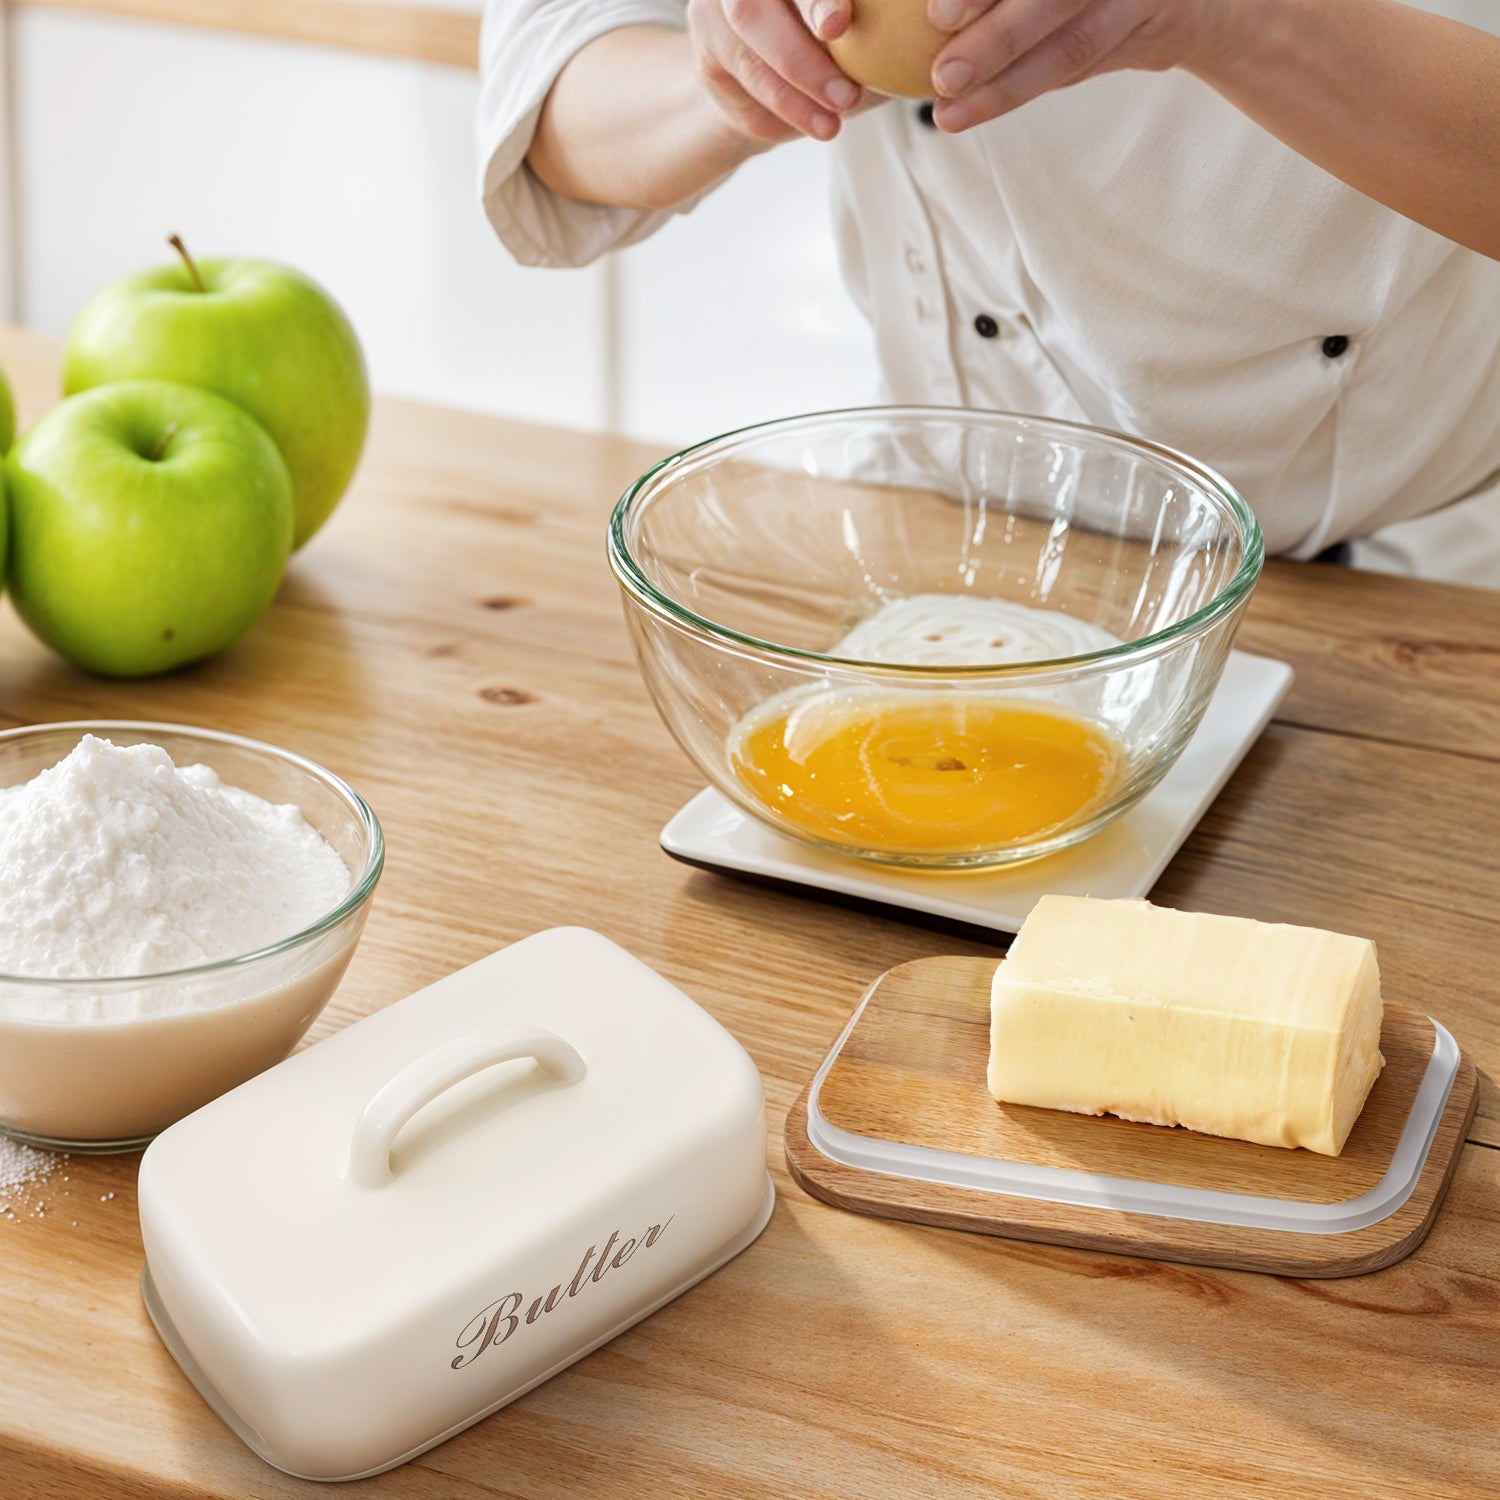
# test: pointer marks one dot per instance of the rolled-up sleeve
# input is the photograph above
(524, 45)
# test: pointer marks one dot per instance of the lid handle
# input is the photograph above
(420, 1082)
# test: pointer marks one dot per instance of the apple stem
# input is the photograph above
(175, 241)
(166, 437)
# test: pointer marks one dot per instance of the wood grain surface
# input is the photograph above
(912, 1070)
(453, 644)
(389, 28)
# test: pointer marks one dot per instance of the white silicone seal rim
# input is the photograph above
(1161, 1200)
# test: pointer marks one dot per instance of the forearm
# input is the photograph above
(1399, 103)
(627, 124)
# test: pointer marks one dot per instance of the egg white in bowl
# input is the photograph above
(930, 637)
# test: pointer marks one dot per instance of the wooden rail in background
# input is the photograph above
(389, 28)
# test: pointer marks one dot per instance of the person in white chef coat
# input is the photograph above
(1266, 232)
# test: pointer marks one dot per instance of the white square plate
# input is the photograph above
(1124, 860)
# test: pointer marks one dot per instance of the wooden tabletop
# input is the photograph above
(453, 644)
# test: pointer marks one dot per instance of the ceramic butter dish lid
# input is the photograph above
(397, 1231)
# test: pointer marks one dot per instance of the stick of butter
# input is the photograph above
(1255, 1030)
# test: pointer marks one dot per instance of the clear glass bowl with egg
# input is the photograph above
(933, 637)
(103, 1064)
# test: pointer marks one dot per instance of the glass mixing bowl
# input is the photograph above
(933, 637)
(105, 1064)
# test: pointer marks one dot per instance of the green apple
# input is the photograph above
(260, 334)
(7, 437)
(150, 524)
(7, 423)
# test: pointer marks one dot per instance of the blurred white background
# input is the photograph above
(360, 170)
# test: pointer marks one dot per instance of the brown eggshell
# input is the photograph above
(890, 47)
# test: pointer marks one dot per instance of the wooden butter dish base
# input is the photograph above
(898, 1121)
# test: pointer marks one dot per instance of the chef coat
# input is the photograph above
(1131, 252)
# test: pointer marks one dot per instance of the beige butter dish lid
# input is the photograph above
(395, 1232)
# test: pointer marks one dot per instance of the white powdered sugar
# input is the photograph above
(22, 1167)
(115, 862)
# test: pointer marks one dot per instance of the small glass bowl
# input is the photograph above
(746, 560)
(132, 1057)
